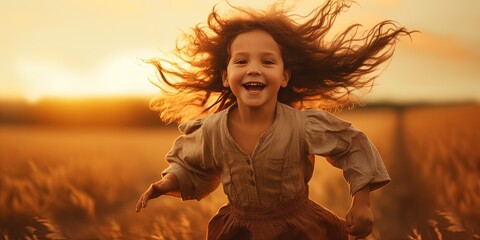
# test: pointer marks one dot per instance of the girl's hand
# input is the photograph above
(168, 184)
(360, 218)
(359, 221)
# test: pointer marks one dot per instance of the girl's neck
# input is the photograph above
(254, 116)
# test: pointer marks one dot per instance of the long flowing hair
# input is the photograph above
(324, 72)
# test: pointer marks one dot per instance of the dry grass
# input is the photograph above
(442, 146)
(83, 183)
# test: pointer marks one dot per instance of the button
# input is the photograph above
(248, 161)
(252, 183)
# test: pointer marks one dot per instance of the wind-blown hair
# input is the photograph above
(324, 73)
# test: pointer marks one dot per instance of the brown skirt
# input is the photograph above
(299, 219)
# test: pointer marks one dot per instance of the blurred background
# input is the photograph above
(78, 143)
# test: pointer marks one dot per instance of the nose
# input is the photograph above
(254, 72)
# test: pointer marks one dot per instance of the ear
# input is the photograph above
(225, 79)
(286, 77)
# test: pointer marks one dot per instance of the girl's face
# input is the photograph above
(255, 71)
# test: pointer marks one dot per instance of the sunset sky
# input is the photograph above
(84, 48)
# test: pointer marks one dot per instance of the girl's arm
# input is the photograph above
(359, 217)
(168, 184)
(350, 150)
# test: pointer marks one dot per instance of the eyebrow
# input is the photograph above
(261, 53)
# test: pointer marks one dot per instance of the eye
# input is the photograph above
(240, 61)
(268, 62)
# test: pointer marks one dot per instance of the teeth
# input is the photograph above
(254, 84)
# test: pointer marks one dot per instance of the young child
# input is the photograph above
(261, 78)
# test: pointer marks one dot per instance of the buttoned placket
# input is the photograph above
(249, 161)
(251, 182)
(250, 172)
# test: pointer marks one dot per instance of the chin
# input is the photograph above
(255, 104)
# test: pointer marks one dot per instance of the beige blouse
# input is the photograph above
(282, 162)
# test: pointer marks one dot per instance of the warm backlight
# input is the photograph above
(124, 76)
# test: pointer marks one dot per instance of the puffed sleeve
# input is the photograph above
(347, 148)
(192, 162)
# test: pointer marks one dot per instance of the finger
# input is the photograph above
(361, 236)
(365, 228)
(357, 230)
(349, 219)
(365, 232)
(139, 204)
(350, 223)
(146, 197)
(360, 233)
(352, 229)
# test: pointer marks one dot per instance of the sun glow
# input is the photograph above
(96, 48)
(122, 76)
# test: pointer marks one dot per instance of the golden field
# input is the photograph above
(83, 183)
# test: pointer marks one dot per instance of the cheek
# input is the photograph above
(234, 76)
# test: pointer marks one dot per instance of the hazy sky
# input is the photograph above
(91, 47)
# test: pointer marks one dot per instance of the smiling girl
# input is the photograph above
(254, 74)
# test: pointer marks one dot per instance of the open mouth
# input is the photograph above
(254, 86)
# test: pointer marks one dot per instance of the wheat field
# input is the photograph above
(83, 183)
